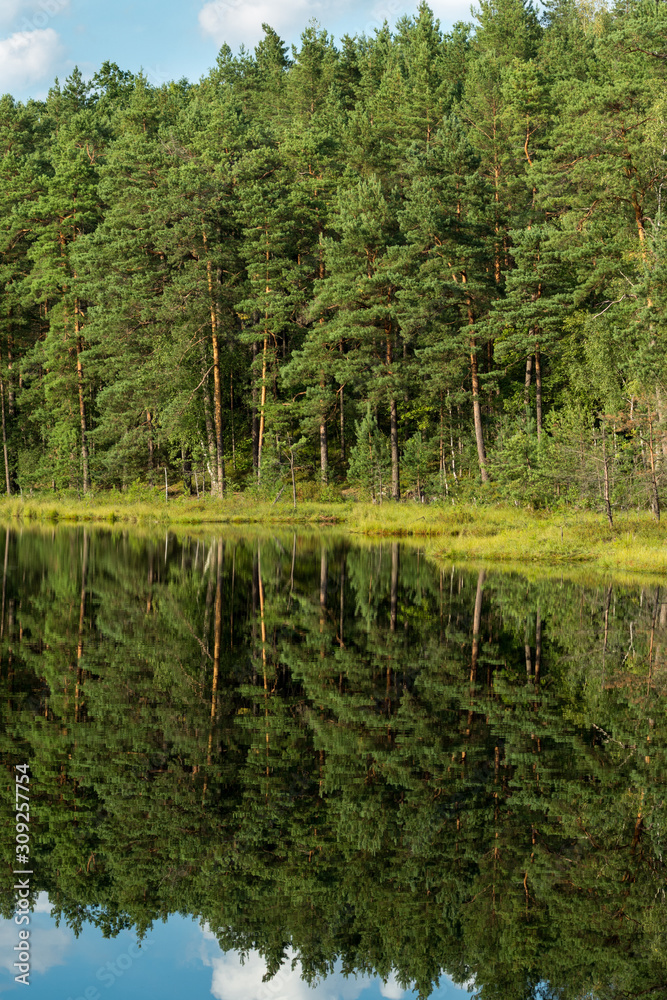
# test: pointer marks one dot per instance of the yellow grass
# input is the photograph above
(451, 533)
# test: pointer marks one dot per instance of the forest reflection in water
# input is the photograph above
(345, 753)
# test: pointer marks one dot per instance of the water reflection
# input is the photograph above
(177, 958)
(344, 754)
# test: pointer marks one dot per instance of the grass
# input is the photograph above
(452, 533)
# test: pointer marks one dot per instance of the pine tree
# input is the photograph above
(68, 208)
(358, 298)
(449, 289)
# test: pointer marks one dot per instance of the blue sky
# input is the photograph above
(177, 959)
(41, 39)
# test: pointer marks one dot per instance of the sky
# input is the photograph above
(177, 959)
(168, 39)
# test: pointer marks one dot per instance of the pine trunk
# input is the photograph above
(476, 407)
(393, 435)
(526, 387)
(217, 391)
(260, 435)
(10, 378)
(217, 415)
(231, 410)
(324, 453)
(342, 426)
(149, 431)
(393, 427)
(210, 436)
(8, 478)
(82, 406)
(655, 498)
(477, 412)
(254, 419)
(538, 390)
(605, 460)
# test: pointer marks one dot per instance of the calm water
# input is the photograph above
(369, 776)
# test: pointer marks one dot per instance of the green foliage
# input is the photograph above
(463, 229)
(370, 462)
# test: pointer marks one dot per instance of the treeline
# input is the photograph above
(345, 752)
(418, 262)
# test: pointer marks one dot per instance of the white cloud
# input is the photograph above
(233, 981)
(240, 21)
(451, 11)
(42, 904)
(237, 21)
(29, 15)
(27, 57)
(47, 946)
(391, 989)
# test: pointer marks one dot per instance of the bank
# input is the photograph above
(447, 531)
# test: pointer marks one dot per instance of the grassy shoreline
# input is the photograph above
(464, 532)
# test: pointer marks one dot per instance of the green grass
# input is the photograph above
(447, 532)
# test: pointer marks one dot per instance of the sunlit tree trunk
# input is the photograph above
(262, 404)
(82, 406)
(217, 391)
(8, 478)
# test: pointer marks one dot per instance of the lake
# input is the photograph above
(274, 765)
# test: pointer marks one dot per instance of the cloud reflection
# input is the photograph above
(233, 981)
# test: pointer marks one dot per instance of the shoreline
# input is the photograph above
(499, 535)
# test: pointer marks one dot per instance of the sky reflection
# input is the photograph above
(178, 958)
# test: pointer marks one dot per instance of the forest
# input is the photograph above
(422, 263)
(346, 752)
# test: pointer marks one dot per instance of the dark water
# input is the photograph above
(343, 754)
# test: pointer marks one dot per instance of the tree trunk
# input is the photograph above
(605, 460)
(451, 438)
(393, 436)
(4, 584)
(8, 478)
(444, 485)
(217, 416)
(538, 391)
(324, 446)
(342, 427)
(324, 453)
(655, 498)
(291, 469)
(231, 403)
(253, 416)
(217, 391)
(10, 378)
(82, 407)
(393, 425)
(187, 469)
(260, 435)
(526, 387)
(149, 425)
(477, 412)
(210, 436)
